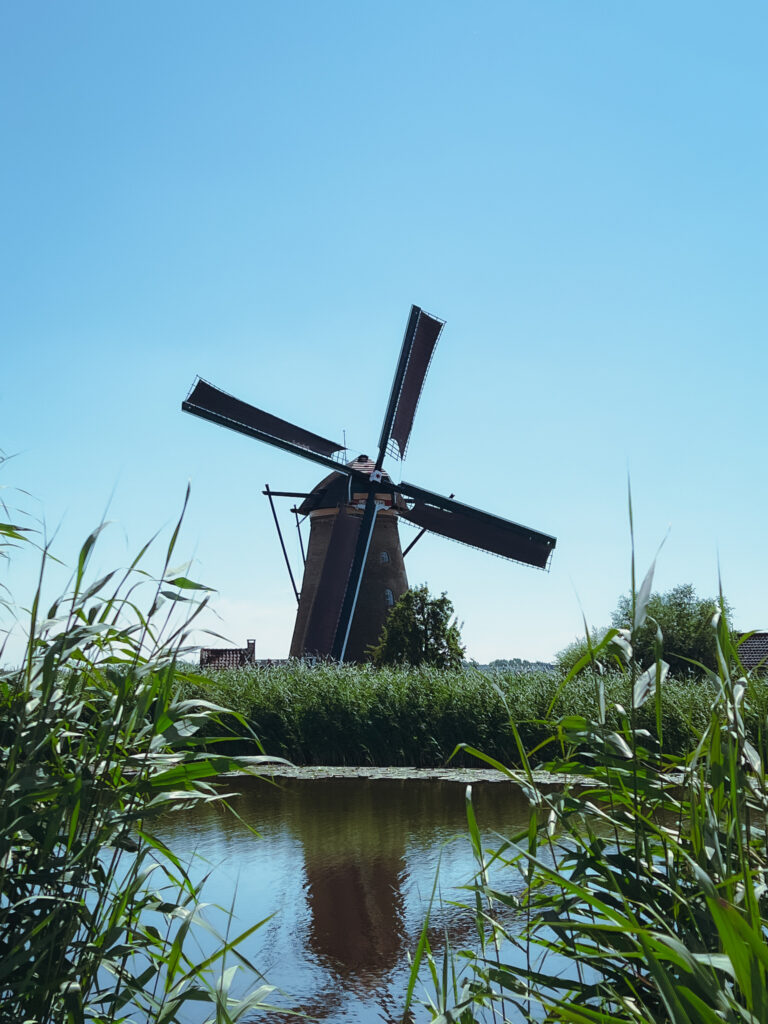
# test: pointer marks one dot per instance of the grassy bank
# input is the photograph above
(358, 715)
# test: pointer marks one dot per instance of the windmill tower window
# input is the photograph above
(389, 597)
(384, 557)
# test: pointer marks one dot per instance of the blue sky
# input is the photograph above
(257, 193)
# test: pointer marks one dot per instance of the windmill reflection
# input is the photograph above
(347, 865)
(355, 865)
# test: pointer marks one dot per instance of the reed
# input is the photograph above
(97, 915)
(360, 715)
(638, 892)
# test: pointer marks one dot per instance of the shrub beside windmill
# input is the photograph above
(354, 566)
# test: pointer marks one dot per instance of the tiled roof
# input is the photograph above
(332, 489)
(365, 464)
(225, 657)
(753, 651)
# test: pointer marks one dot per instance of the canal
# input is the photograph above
(345, 867)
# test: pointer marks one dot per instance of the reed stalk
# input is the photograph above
(97, 915)
(638, 892)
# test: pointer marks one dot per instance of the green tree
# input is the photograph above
(685, 622)
(419, 631)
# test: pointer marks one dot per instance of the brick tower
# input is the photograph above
(384, 579)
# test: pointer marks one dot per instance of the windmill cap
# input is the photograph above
(365, 464)
(333, 489)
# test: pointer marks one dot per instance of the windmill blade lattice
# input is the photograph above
(481, 530)
(211, 403)
(421, 336)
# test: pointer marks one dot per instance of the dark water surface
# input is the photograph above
(347, 868)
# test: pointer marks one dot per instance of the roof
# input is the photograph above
(753, 652)
(332, 489)
(225, 657)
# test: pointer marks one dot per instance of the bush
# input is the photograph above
(679, 620)
(419, 631)
(685, 623)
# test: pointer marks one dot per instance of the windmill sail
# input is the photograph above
(419, 343)
(481, 530)
(212, 403)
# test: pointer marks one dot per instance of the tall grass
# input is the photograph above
(360, 715)
(638, 892)
(97, 915)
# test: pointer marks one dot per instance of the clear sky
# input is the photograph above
(256, 192)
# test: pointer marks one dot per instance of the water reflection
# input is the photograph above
(354, 864)
(348, 865)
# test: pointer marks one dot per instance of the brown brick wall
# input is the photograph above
(378, 577)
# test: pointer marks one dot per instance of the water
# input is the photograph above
(346, 867)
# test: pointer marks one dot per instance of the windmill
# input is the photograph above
(354, 510)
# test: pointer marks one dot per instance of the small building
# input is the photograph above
(228, 657)
(753, 652)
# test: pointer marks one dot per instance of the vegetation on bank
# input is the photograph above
(638, 892)
(678, 624)
(360, 715)
(417, 702)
